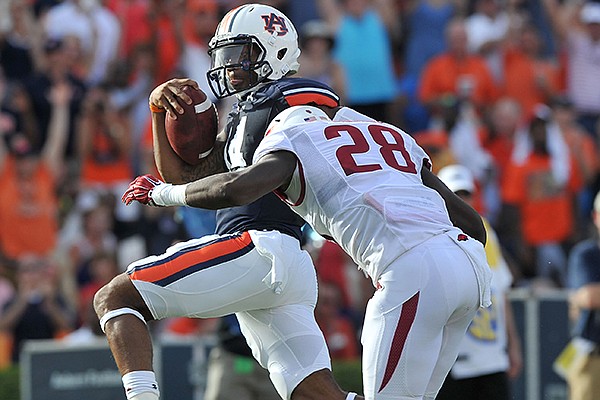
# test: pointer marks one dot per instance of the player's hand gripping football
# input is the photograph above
(166, 95)
(140, 189)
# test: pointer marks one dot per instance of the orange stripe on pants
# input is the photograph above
(175, 264)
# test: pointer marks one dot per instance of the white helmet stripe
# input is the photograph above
(233, 13)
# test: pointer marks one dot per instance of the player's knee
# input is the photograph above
(103, 298)
(100, 301)
(119, 293)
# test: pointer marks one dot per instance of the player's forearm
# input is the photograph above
(231, 188)
(213, 192)
(219, 191)
(166, 160)
(243, 186)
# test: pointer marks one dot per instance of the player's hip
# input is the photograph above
(222, 274)
(447, 256)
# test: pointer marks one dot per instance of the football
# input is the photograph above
(192, 135)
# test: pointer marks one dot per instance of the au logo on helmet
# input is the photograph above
(272, 21)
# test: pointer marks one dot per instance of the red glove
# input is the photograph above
(140, 189)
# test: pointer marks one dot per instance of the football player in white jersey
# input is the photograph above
(368, 186)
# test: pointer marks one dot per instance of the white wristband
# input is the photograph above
(169, 195)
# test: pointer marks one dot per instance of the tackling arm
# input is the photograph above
(242, 186)
(462, 215)
(223, 190)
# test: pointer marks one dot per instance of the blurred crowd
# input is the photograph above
(507, 88)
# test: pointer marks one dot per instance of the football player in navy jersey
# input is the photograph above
(254, 265)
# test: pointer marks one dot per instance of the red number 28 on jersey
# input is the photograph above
(388, 150)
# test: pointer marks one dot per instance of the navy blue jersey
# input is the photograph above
(246, 126)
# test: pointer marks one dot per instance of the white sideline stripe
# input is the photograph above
(205, 105)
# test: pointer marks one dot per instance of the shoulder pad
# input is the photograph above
(299, 91)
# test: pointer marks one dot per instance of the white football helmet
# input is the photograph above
(257, 39)
(297, 115)
(458, 178)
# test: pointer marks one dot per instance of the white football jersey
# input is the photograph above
(359, 183)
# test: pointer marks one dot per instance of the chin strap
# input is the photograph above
(351, 396)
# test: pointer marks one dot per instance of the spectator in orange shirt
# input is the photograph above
(28, 203)
(104, 150)
(497, 138)
(539, 186)
(457, 74)
(529, 77)
(506, 117)
(339, 332)
(158, 23)
(104, 143)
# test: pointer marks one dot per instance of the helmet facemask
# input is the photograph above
(237, 65)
